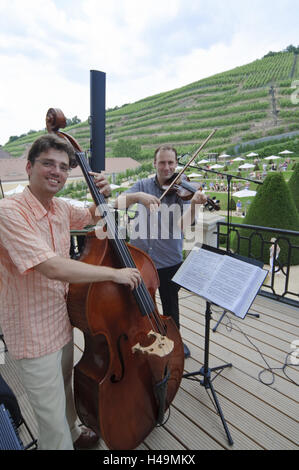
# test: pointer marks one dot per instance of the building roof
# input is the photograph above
(4, 154)
(13, 169)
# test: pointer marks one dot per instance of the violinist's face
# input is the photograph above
(165, 164)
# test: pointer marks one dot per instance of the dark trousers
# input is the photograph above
(169, 293)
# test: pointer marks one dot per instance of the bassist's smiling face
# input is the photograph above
(48, 174)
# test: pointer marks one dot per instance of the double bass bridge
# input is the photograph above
(162, 346)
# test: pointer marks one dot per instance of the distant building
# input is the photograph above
(4, 154)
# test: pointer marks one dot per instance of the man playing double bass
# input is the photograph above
(164, 244)
(35, 272)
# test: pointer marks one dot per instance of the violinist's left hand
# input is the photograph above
(199, 198)
(101, 183)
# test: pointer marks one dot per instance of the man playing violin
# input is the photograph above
(35, 272)
(165, 251)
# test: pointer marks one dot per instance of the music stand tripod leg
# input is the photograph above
(256, 315)
(205, 371)
(220, 320)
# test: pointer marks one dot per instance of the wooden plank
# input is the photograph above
(161, 439)
(257, 330)
(235, 338)
(271, 308)
(246, 351)
(265, 322)
(199, 409)
(192, 434)
(249, 425)
(240, 363)
(279, 309)
(259, 407)
(279, 323)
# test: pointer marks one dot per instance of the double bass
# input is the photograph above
(133, 358)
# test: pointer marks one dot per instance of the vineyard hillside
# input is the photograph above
(246, 104)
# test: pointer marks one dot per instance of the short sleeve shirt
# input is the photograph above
(33, 311)
(157, 233)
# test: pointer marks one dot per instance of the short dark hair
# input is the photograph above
(165, 147)
(47, 142)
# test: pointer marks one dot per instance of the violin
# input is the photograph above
(185, 190)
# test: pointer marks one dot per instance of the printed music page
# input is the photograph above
(223, 280)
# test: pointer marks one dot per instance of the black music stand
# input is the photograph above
(205, 371)
(203, 269)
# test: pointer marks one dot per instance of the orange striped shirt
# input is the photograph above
(33, 312)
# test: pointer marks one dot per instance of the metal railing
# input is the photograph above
(282, 282)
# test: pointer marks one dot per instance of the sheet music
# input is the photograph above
(221, 279)
(198, 270)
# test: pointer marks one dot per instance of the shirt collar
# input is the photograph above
(36, 206)
(157, 182)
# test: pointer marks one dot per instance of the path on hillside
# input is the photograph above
(265, 139)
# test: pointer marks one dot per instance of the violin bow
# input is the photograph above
(187, 164)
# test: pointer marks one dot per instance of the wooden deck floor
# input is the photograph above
(258, 416)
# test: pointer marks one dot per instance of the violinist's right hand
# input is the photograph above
(127, 199)
(128, 276)
(149, 201)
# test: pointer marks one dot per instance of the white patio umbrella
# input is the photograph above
(224, 155)
(17, 190)
(216, 166)
(272, 157)
(238, 159)
(204, 161)
(194, 175)
(114, 186)
(285, 152)
(247, 166)
(252, 154)
(244, 193)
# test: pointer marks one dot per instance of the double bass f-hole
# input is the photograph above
(113, 377)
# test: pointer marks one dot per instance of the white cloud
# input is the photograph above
(145, 47)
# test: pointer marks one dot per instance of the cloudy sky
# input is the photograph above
(48, 47)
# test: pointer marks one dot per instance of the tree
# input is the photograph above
(293, 185)
(72, 121)
(273, 206)
(127, 148)
(292, 48)
(13, 138)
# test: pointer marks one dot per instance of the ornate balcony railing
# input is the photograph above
(282, 283)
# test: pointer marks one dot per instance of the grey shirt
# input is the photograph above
(157, 233)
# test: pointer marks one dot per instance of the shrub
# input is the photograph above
(293, 185)
(273, 206)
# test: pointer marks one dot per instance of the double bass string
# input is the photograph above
(141, 291)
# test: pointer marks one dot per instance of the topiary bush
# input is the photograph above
(273, 206)
(293, 185)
